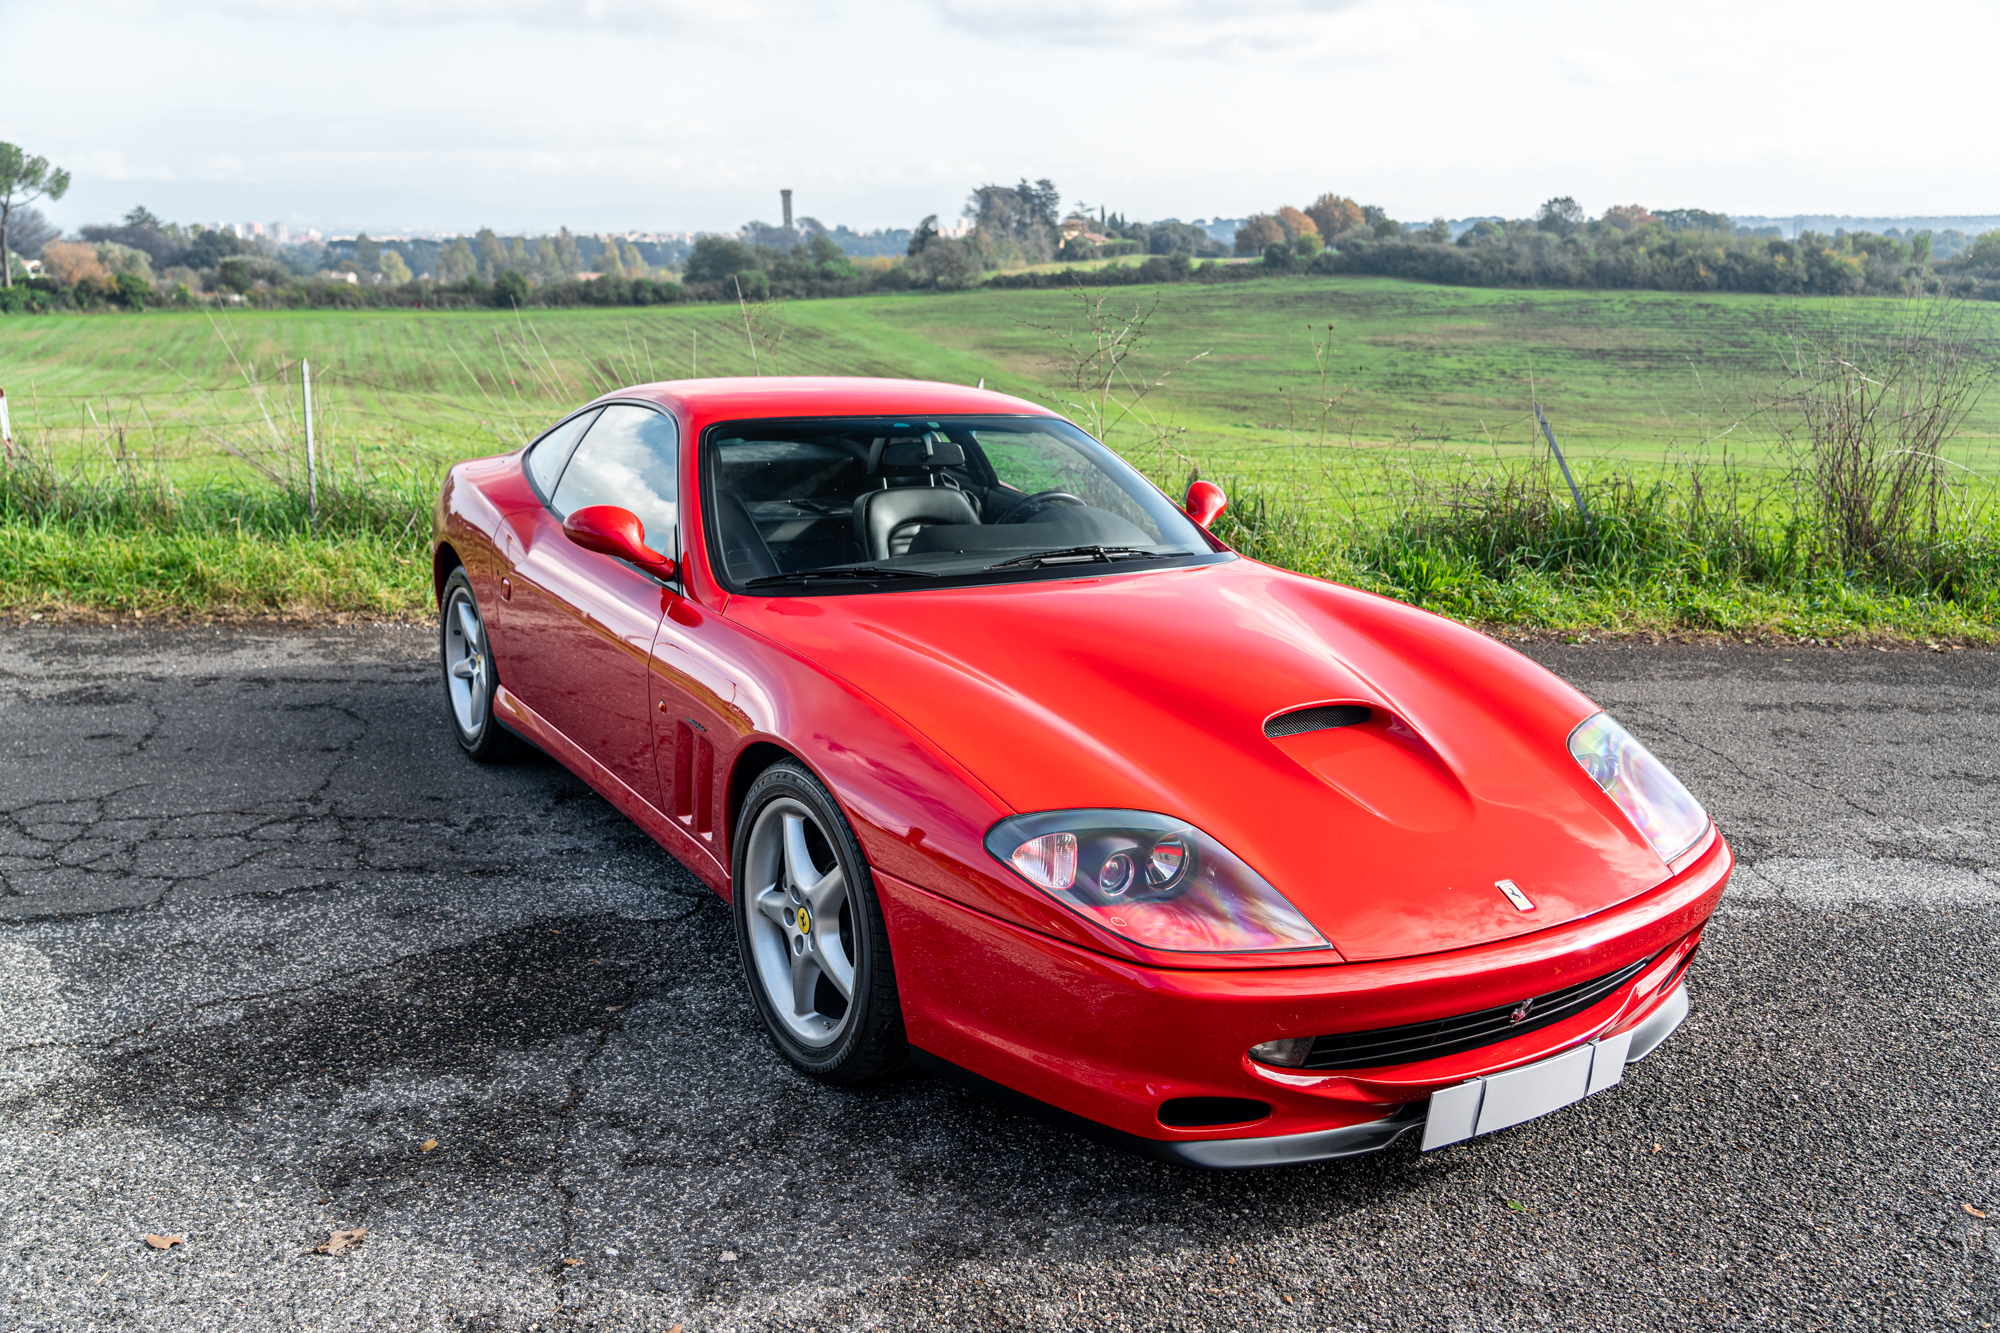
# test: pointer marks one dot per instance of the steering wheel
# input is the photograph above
(1037, 502)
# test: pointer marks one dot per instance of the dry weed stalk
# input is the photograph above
(1872, 419)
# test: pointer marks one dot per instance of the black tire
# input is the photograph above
(869, 1042)
(469, 689)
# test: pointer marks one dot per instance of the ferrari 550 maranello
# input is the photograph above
(1008, 768)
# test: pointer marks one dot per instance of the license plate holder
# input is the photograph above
(1498, 1101)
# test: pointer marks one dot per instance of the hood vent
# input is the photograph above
(1325, 717)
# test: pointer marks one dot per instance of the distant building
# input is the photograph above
(252, 229)
(280, 233)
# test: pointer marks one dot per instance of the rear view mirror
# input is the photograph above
(1205, 502)
(610, 530)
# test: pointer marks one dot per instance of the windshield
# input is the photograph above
(886, 501)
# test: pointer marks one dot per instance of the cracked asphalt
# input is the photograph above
(275, 960)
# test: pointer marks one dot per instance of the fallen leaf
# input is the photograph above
(1968, 1208)
(1517, 1207)
(729, 1256)
(613, 1008)
(162, 1242)
(342, 1241)
(427, 1145)
(675, 1329)
(571, 1263)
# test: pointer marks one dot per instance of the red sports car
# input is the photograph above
(1009, 769)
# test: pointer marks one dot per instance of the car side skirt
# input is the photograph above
(1213, 1154)
(525, 722)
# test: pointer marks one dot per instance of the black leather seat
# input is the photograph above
(885, 522)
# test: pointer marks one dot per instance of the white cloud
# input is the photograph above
(1226, 29)
(1599, 69)
(104, 163)
(565, 15)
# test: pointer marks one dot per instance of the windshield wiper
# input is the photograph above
(1086, 555)
(851, 572)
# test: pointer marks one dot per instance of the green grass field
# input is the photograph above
(1626, 377)
(1337, 409)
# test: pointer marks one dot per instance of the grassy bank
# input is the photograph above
(144, 545)
(1371, 431)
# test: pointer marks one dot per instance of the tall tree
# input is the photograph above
(1334, 214)
(456, 264)
(1561, 215)
(1296, 223)
(23, 179)
(31, 231)
(1258, 232)
(492, 255)
(547, 265)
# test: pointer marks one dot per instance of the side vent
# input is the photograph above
(694, 781)
(1323, 718)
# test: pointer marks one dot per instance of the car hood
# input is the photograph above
(1151, 691)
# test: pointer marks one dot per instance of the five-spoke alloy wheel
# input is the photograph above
(468, 674)
(810, 932)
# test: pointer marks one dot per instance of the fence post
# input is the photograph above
(6, 427)
(312, 459)
(1590, 524)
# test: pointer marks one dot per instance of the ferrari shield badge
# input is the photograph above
(1514, 894)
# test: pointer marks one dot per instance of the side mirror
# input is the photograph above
(1205, 502)
(610, 530)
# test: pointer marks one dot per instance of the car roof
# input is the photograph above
(827, 396)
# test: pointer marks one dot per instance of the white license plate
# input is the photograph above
(1499, 1100)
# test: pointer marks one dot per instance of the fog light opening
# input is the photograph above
(1209, 1112)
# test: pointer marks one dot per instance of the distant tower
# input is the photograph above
(786, 195)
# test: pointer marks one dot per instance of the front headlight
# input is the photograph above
(1156, 881)
(1644, 788)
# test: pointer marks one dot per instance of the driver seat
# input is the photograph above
(886, 522)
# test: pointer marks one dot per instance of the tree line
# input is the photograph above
(1013, 236)
(1628, 246)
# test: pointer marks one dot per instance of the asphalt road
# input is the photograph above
(264, 936)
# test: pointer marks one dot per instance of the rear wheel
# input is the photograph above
(469, 681)
(809, 929)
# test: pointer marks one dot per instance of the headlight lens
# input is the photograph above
(1153, 880)
(1649, 794)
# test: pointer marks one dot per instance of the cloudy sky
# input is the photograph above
(684, 114)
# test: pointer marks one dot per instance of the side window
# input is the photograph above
(627, 459)
(546, 459)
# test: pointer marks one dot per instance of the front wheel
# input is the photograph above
(469, 681)
(810, 932)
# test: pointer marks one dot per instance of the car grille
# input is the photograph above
(1467, 1032)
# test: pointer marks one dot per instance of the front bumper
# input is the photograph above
(1323, 1145)
(1101, 1045)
